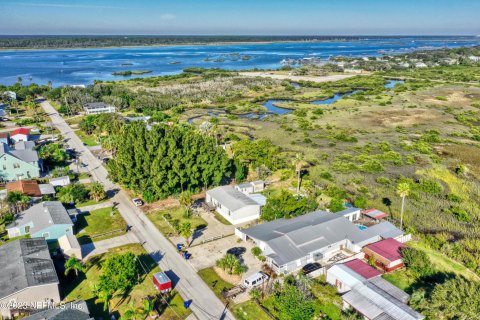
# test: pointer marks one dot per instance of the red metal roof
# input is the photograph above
(362, 269)
(25, 131)
(375, 213)
(388, 248)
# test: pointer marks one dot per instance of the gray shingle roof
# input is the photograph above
(231, 198)
(76, 310)
(292, 239)
(385, 230)
(25, 263)
(43, 215)
(46, 188)
(24, 145)
(27, 155)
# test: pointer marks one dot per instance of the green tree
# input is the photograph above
(72, 193)
(72, 264)
(285, 205)
(18, 201)
(96, 191)
(52, 154)
(403, 190)
(299, 162)
(417, 261)
(230, 264)
(186, 231)
(293, 304)
(186, 199)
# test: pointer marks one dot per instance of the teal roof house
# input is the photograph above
(21, 163)
(48, 219)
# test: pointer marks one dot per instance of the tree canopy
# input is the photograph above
(285, 205)
(167, 160)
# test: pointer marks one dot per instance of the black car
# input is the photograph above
(310, 267)
(237, 251)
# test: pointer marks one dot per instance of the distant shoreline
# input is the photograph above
(339, 39)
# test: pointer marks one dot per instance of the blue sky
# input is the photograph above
(267, 17)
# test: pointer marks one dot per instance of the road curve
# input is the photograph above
(205, 304)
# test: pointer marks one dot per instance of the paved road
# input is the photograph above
(205, 304)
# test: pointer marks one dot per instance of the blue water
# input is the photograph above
(392, 83)
(83, 66)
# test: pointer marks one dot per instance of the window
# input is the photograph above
(4, 167)
(16, 165)
(27, 229)
(46, 235)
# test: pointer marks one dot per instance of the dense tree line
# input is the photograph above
(113, 41)
(167, 160)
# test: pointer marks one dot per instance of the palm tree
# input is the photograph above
(299, 163)
(132, 312)
(403, 190)
(72, 264)
(186, 231)
(97, 191)
(147, 307)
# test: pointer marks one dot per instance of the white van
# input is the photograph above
(255, 280)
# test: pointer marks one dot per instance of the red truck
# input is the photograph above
(162, 282)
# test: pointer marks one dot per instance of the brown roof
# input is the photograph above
(26, 187)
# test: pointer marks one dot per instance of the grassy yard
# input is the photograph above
(90, 202)
(221, 219)
(248, 310)
(88, 140)
(217, 284)
(99, 225)
(400, 278)
(175, 213)
(81, 287)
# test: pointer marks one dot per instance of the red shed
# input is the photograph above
(162, 282)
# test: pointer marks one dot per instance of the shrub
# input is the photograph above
(256, 251)
(417, 261)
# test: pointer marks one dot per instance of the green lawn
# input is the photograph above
(90, 202)
(88, 140)
(175, 213)
(217, 284)
(248, 310)
(220, 218)
(99, 225)
(400, 278)
(81, 287)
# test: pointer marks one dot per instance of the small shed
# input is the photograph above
(46, 189)
(162, 282)
(70, 246)
(386, 253)
(26, 187)
(20, 134)
(375, 214)
(60, 181)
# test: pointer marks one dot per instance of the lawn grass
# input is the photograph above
(400, 278)
(90, 202)
(221, 219)
(217, 284)
(176, 213)
(248, 310)
(90, 141)
(443, 263)
(99, 222)
(81, 287)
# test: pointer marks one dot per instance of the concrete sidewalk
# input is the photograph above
(94, 248)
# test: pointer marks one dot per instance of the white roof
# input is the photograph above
(231, 198)
(347, 275)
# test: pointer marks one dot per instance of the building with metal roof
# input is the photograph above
(28, 275)
(75, 310)
(386, 253)
(369, 294)
(233, 205)
(26, 187)
(98, 107)
(48, 219)
(375, 214)
(289, 244)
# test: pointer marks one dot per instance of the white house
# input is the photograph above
(98, 107)
(11, 95)
(234, 205)
(289, 244)
(251, 187)
(60, 181)
(20, 134)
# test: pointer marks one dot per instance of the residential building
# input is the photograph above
(46, 189)
(11, 95)
(375, 214)
(24, 145)
(251, 187)
(60, 181)
(98, 107)
(28, 275)
(20, 134)
(18, 164)
(70, 246)
(289, 244)
(75, 310)
(234, 205)
(47, 219)
(386, 253)
(364, 290)
(352, 214)
(4, 138)
(26, 187)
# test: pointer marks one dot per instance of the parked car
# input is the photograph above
(310, 267)
(137, 202)
(255, 280)
(237, 251)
